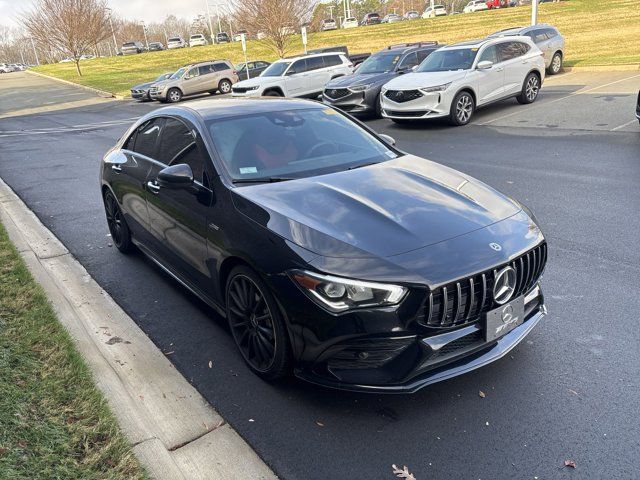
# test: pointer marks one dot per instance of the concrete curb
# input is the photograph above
(102, 93)
(175, 433)
(604, 68)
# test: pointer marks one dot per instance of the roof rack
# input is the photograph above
(414, 44)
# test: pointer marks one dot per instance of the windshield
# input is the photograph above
(293, 144)
(164, 76)
(179, 73)
(174, 40)
(379, 63)
(449, 60)
(275, 69)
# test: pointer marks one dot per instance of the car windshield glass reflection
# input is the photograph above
(379, 63)
(449, 60)
(179, 73)
(293, 144)
(275, 69)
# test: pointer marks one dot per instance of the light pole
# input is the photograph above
(209, 21)
(144, 31)
(113, 32)
(534, 12)
(218, 16)
(35, 52)
(331, 7)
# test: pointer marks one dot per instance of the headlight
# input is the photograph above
(439, 88)
(249, 89)
(340, 294)
(359, 88)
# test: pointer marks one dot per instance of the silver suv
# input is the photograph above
(547, 38)
(212, 76)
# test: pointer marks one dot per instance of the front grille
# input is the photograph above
(239, 90)
(409, 114)
(153, 89)
(464, 301)
(401, 96)
(336, 92)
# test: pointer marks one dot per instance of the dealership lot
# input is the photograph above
(565, 393)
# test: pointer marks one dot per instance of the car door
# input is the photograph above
(516, 66)
(129, 173)
(178, 217)
(319, 75)
(296, 78)
(490, 81)
(190, 81)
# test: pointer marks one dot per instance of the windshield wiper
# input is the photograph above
(262, 180)
(362, 165)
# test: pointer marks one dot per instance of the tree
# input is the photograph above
(273, 20)
(71, 27)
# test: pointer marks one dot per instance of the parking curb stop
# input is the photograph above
(175, 433)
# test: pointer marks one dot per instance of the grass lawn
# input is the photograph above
(54, 422)
(597, 33)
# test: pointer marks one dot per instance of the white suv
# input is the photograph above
(303, 76)
(197, 40)
(454, 80)
(475, 6)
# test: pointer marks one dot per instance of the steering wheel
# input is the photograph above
(318, 146)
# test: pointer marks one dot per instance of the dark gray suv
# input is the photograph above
(360, 93)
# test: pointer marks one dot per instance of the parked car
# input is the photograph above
(132, 48)
(328, 24)
(391, 18)
(475, 6)
(435, 11)
(547, 38)
(156, 46)
(176, 42)
(411, 15)
(222, 37)
(141, 92)
(360, 93)
(238, 35)
(493, 4)
(356, 58)
(638, 107)
(370, 19)
(197, 40)
(331, 253)
(211, 76)
(303, 76)
(350, 22)
(455, 80)
(5, 68)
(251, 69)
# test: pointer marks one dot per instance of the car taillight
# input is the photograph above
(235, 72)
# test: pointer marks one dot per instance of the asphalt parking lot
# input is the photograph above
(571, 390)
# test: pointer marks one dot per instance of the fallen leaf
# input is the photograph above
(22, 444)
(320, 424)
(570, 463)
(574, 392)
(486, 423)
(210, 364)
(169, 353)
(251, 420)
(482, 394)
(404, 473)
(114, 340)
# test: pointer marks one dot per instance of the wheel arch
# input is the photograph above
(470, 91)
(273, 89)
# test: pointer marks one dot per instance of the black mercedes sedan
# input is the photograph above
(331, 253)
(141, 92)
(360, 93)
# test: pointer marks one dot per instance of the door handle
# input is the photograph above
(153, 187)
(116, 168)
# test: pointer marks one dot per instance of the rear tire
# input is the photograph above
(462, 109)
(174, 95)
(257, 325)
(378, 111)
(556, 64)
(118, 228)
(224, 86)
(530, 89)
(272, 93)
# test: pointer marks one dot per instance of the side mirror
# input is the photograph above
(176, 176)
(484, 65)
(390, 140)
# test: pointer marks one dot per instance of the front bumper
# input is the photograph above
(247, 93)
(352, 102)
(429, 105)
(434, 358)
(157, 95)
(140, 94)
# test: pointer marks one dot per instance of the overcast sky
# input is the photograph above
(148, 10)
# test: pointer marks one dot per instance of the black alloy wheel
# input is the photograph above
(118, 227)
(256, 324)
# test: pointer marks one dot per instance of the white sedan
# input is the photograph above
(475, 6)
(350, 22)
(454, 80)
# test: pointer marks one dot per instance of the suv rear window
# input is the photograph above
(314, 63)
(332, 60)
(219, 67)
(174, 39)
(129, 44)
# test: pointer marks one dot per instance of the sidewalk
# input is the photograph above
(175, 433)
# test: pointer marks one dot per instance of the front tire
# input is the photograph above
(224, 86)
(118, 228)
(174, 95)
(556, 64)
(462, 109)
(530, 89)
(257, 325)
(272, 93)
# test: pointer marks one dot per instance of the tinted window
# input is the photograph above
(276, 69)
(192, 73)
(177, 145)
(538, 36)
(131, 141)
(314, 63)
(261, 64)
(332, 60)
(379, 63)
(147, 136)
(409, 61)
(511, 50)
(422, 54)
(218, 67)
(205, 69)
(489, 54)
(298, 67)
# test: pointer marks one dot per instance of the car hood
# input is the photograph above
(380, 210)
(425, 79)
(163, 83)
(360, 79)
(143, 86)
(258, 82)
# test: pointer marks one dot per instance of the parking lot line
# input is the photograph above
(573, 94)
(619, 127)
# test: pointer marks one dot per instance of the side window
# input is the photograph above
(489, 54)
(147, 137)
(332, 60)
(509, 51)
(551, 32)
(192, 73)
(314, 63)
(205, 70)
(219, 67)
(409, 61)
(298, 66)
(422, 54)
(251, 65)
(261, 64)
(539, 36)
(177, 145)
(131, 141)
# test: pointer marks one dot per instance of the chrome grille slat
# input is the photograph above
(445, 306)
(470, 302)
